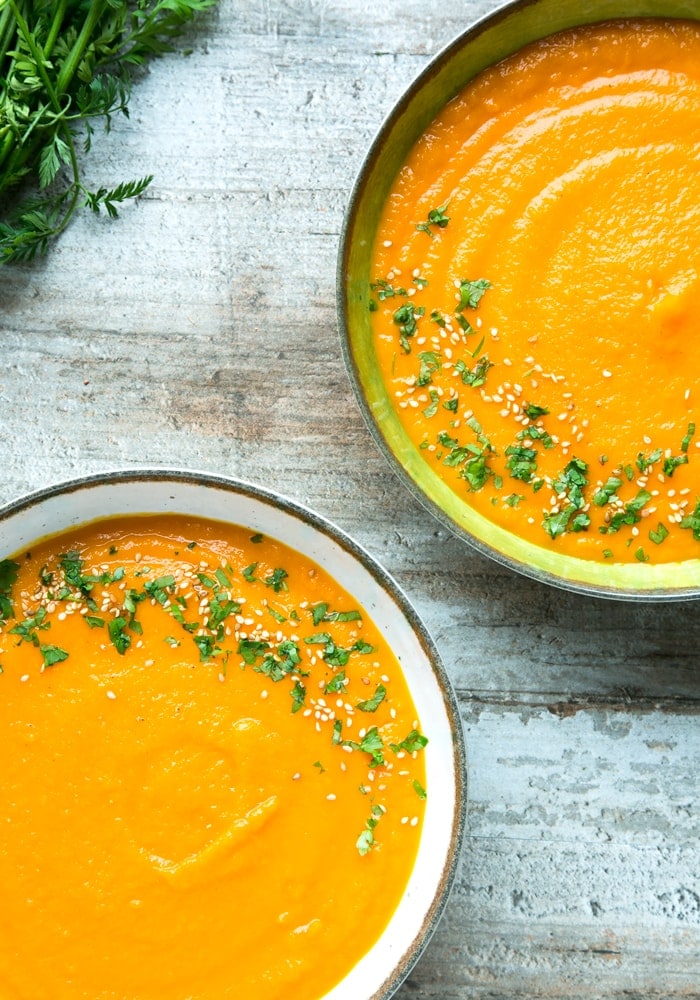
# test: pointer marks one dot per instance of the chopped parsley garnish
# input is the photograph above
(298, 695)
(432, 408)
(672, 462)
(692, 522)
(685, 443)
(472, 457)
(536, 434)
(386, 291)
(277, 580)
(419, 790)
(252, 649)
(332, 654)
(336, 685)
(569, 485)
(476, 376)
(52, 655)
(278, 666)
(630, 513)
(521, 462)
(206, 644)
(322, 614)
(366, 840)
(27, 629)
(406, 318)
(436, 217)
(533, 411)
(8, 577)
(471, 293)
(161, 588)
(659, 534)
(429, 364)
(607, 491)
(371, 743)
(373, 703)
(645, 462)
(412, 743)
(117, 633)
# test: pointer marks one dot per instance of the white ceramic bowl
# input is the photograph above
(69, 504)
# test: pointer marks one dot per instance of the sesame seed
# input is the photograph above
(111, 695)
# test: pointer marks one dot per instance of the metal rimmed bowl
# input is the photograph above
(482, 45)
(77, 502)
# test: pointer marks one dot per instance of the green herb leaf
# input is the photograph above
(412, 743)
(298, 694)
(436, 217)
(117, 633)
(371, 743)
(471, 293)
(657, 536)
(692, 522)
(373, 703)
(277, 580)
(607, 491)
(476, 376)
(419, 790)
(8, 577)
(52, 655)
(406, 318)
(672, 462)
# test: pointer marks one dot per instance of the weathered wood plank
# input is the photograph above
(199, 330)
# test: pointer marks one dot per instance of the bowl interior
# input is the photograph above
(68, 505)
(486, 43)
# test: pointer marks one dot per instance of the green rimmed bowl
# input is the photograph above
(485, 43)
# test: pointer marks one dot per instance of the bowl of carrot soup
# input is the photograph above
(234, 762)
(518, 292)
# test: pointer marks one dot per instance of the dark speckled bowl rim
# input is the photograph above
(239, 487)
(591, 11)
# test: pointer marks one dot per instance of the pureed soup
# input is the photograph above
(535, 292)
(214, 781)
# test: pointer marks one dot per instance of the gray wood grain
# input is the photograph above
(199, 331)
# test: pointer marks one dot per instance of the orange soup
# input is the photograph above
(536, 292)
(213, 782)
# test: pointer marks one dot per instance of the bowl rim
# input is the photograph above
(588, 583)
(414, 948)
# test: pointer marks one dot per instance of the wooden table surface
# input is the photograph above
(199, 331)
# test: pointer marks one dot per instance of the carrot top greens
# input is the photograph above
(63, 65)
